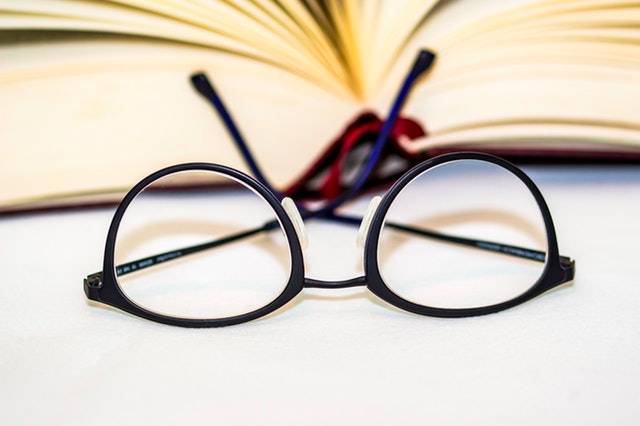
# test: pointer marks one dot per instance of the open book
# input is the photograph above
(95, 95)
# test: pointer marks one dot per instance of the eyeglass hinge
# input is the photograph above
(94, 280)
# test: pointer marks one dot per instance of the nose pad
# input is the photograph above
(366, 220)
(292, 211)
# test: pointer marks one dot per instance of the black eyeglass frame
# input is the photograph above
(103, 287)
(557, 270)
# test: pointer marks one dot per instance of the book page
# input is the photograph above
(560, 66)
(103, 114)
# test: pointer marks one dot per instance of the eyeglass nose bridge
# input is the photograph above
(360, 281)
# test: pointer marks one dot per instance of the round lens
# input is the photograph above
(201, 245)
(464, 234)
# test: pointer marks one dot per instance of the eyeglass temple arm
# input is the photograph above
(492, 246)
(422, 64)
(202, 84)
(157, 259)
(510, 250)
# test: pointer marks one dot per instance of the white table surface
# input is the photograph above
(331, 357)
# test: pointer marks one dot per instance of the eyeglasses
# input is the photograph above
(204, 245)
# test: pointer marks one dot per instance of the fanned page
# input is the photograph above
(90, 110)
(540, 77)
(95, 94)
(120, 112)
(215, 25)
